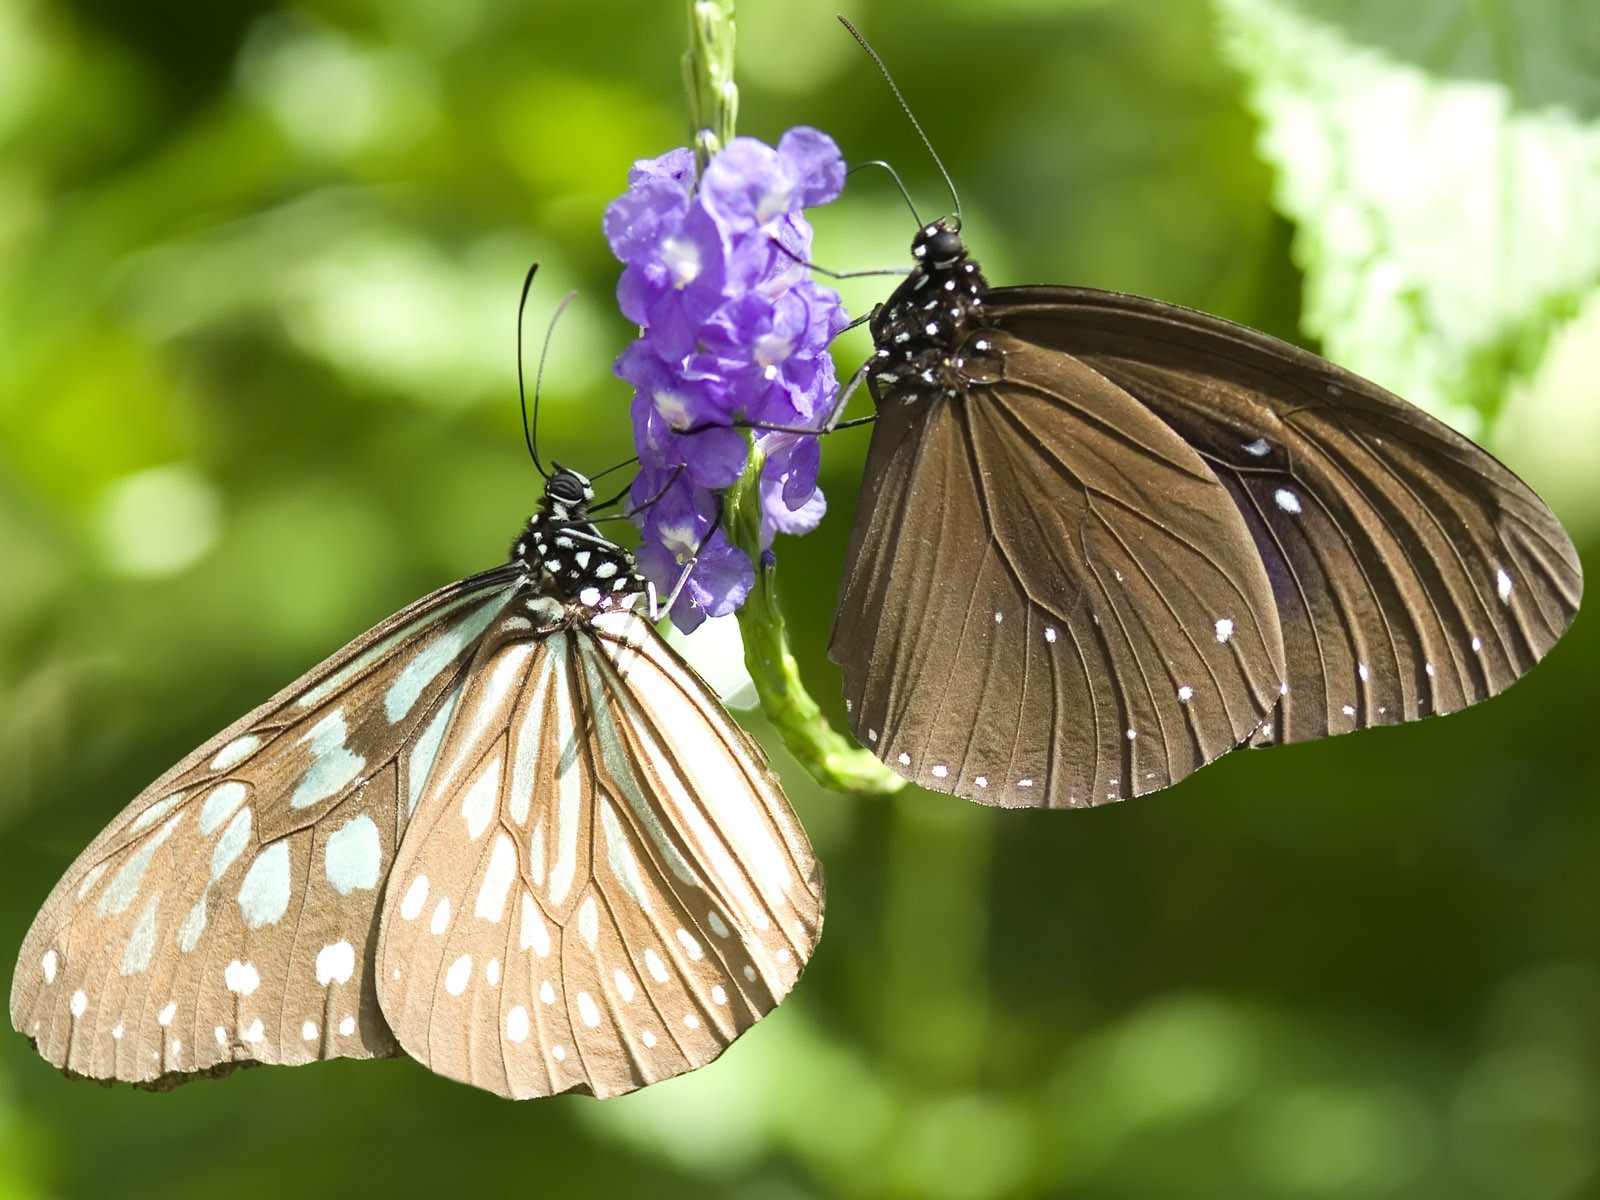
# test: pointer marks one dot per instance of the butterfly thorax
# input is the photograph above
(566, 558)
(930, 330)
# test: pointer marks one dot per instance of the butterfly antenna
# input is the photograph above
(910, 116)
(538, 377)
(522, 393)
(605, 504)
(898, 182)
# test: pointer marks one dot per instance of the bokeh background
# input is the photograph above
(258, 273)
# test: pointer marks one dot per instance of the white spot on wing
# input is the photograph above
(230, 845)
(124, 885)
(588, 1009)
(434, 658)
(220, 804)
(334, 766)
(1259, 448)
(1502, 586)
(534, 933)
(193, 926)
(235, 752)
(94, 873)
(657, 968)
(1185, 694)
(690, 945)
(242, 978)
(336, 963)
(1287, 500)
(416, 896)
(517, 1024)
(264, 892)
(455, 979)
(497, 879)
(141, 942)
(354, 856)
(441, 916)
(1224, 628)
(49, 963)
(589, 921)
(144, 820)
(478, 806)
(426, 750)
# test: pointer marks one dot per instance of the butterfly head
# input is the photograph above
(567, 495)
(938, 246)
(569, 560)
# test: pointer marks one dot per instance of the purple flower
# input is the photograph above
(732, 333)
(679, 521)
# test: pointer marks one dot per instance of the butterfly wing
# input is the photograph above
(1048, 598)
(227, 917)
(1413, 573)
(603, 885)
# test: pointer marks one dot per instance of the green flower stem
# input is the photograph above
(708, 76)
(833, 759)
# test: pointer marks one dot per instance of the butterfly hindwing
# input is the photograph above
(226, 917)
(609, 888)
(1414, 573)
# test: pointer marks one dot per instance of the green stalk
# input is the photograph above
(708, 76)
(833, 759)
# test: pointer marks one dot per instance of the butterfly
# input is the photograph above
(507, 832)
(1103, 540)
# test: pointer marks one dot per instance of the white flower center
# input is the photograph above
(773, 348)
(672, 408)
(682, 260)
(680, 540)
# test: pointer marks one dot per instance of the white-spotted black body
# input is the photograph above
(568, 559)
(929, 332)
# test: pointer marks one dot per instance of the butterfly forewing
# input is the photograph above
(1075, 614)
(600, 895)
(225, 918)
(1414, 573)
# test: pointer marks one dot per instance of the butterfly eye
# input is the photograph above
(566, 489)
(946, 246)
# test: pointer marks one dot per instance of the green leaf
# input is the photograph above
(1444, 192)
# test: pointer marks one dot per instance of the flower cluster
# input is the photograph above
(733, 334)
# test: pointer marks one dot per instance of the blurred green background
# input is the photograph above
(258, 273)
